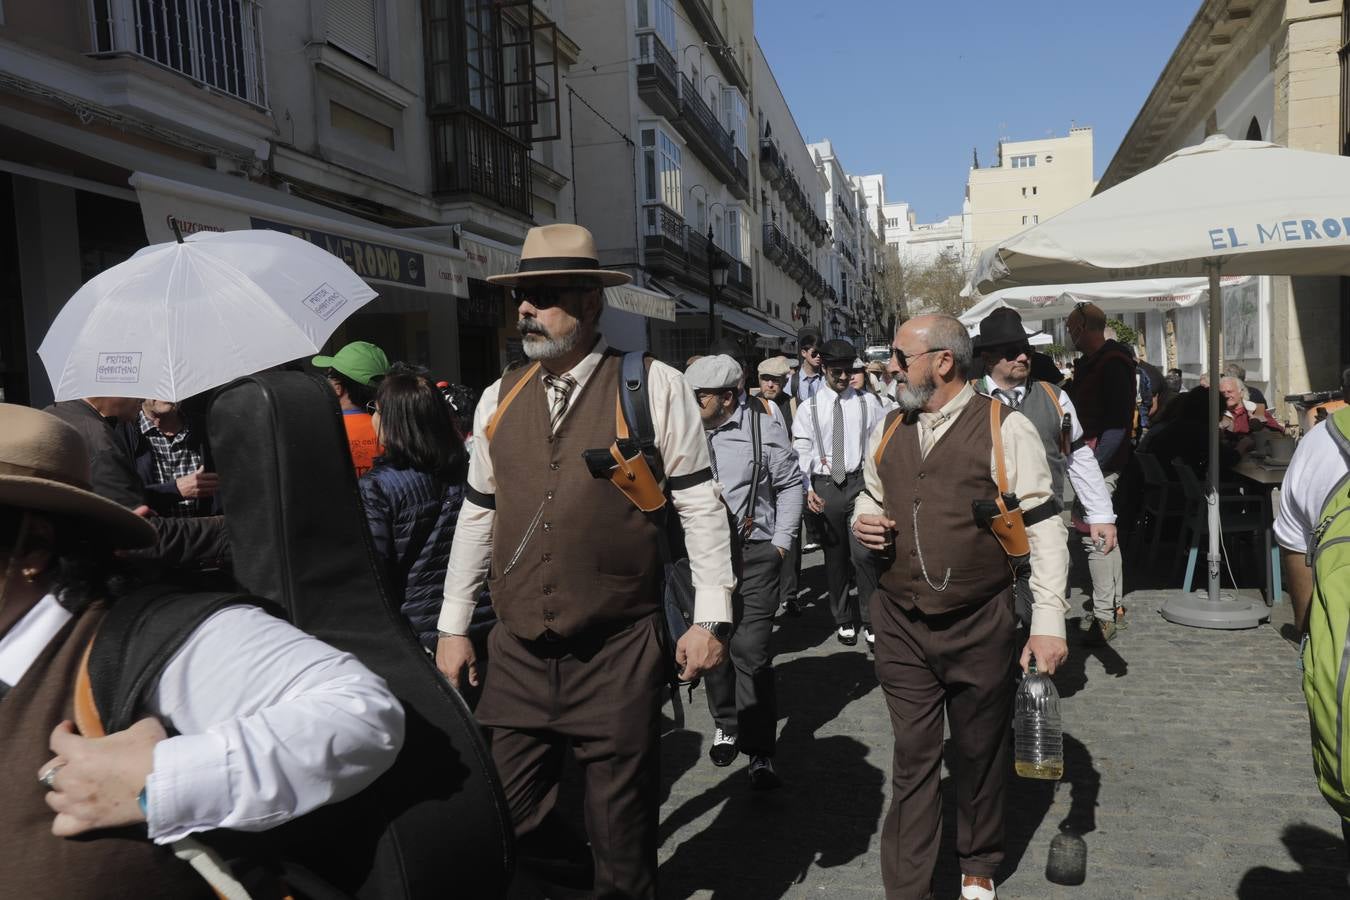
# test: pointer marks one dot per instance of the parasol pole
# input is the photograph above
(1212, 494)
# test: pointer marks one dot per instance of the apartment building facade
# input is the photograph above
(1030, 182)
(418, 140)
(666, 181)
(795, 239)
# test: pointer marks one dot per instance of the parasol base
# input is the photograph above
(1231, 612)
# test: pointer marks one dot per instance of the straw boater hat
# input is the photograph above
(44, 467)
(553, 251)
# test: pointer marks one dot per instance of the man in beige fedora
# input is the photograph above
(575, 566)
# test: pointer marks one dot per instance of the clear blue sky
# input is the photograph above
(908, 88)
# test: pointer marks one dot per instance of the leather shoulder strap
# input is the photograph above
(996, 434)
(491, 427)
(886, 435)
(136, 639)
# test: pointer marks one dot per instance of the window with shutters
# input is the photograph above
(353, 26)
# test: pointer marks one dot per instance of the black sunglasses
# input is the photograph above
(544, 297)
(1011, 351)
(903, 361)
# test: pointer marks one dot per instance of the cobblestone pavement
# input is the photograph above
(1188, 775)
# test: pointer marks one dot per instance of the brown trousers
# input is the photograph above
(602, 695)
(961, 662)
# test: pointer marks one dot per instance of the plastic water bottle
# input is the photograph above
(1038, 734)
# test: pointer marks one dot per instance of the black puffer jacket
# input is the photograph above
(412, 519)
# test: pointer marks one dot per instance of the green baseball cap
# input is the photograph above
(360, 361)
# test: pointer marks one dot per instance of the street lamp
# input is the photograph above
(717, 279)
(804, 310)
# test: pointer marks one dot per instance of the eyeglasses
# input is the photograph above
(810, 351)
(903, 361)
(372, 407)
(544, 297)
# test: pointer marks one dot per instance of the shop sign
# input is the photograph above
(367, 259)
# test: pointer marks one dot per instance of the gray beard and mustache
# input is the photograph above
(541, 346)
(914, 397)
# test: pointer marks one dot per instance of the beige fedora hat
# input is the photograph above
(552, 251)
(44, 466)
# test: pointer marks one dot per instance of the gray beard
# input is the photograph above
(914, 397)
(542, 347)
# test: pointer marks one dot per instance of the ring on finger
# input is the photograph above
(48, 778)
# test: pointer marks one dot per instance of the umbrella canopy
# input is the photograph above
(1114, 297)
(1255, 208)
(1223, 207)
(183, 317)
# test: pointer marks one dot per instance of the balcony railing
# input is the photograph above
(676, 249)
(711, 141)
(216, 43)
(470, 155)
(771, 163)
(658, 76)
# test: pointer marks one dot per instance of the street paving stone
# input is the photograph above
(1188, 774)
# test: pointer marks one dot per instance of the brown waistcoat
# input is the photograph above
(591, 559)
(107, 865)
(943, 484)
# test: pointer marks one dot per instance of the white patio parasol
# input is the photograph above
(1221, 208)
(183, 317)
(1116, 297)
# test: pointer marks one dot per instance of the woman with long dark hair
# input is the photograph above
(414, 492)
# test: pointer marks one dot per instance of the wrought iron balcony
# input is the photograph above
(471, 155)
(681, 252)
(771, 163)
(776, 244)
(658, 76)
(713, 144)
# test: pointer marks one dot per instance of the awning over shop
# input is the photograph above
(379, 255)
(641, 301)
(697, 304)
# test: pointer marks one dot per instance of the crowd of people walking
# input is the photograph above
(603, 526)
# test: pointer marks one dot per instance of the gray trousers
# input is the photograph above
(845, 559)
(1106, 569)
(741, 696)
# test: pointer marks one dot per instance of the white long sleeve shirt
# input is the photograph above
(813, 429)
(684, 450)
(1085, 474)
(271, 723)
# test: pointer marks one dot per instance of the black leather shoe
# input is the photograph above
(847, 635)
(723, 750)
(762, 775)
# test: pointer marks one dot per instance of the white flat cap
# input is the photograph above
(711, 373)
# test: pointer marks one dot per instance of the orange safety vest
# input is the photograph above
(361, 439)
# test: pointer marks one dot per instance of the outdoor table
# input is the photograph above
(1269, 476)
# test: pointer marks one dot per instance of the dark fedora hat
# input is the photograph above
(836, 350)
(1000, 327)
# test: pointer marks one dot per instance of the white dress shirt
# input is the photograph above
(1028, 478)
(1085, 474)
(270, 722)
(862, 411)
(684, 450)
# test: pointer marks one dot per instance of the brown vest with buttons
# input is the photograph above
(943, 484)
(570, 552)
(107, 865)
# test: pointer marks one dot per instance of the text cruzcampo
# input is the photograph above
(1285, 232)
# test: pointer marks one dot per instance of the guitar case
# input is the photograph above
(436, 824)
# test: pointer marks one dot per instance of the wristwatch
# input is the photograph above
(720, 630)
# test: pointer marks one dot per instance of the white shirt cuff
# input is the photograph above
(712, 605)
(188, 789)
(1048, 622)
(455, 616)
(1100, 520)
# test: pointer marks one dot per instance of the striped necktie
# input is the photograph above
(560, 386)
(1009, 397)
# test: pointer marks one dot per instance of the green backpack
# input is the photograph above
(1326, 656)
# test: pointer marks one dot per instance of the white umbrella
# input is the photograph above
(1118, 297)
(183, 317)
(1230, 207)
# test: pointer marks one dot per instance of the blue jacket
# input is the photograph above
(412, 519)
